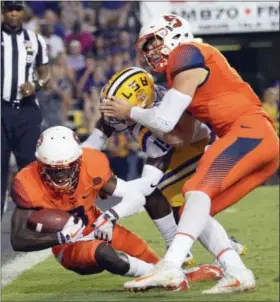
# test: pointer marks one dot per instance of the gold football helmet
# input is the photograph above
(133, 84)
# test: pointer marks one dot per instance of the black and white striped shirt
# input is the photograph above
(21, 53)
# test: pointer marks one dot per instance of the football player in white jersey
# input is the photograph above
(168, 165)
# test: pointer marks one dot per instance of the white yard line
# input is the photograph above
(230, 210)
(21, 263)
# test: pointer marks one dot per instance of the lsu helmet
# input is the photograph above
(133, 84)
(169, 31)
(59, 155)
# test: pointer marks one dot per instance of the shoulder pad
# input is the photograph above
(97, 166)
(26, 188)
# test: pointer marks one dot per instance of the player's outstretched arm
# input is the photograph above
(132, 201)
(24, 239)
(132, 198)
(187, 71)
(165, 117)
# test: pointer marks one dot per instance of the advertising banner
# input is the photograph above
(218, 17)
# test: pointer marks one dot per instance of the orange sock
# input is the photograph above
(132, 244)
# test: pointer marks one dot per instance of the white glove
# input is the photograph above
(104, 225)
(72, 231)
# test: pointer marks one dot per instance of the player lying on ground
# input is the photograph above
(68, 177)
(167, 167)
(245, 155)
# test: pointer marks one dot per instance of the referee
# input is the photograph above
(24, 71)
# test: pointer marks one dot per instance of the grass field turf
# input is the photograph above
(255, 221)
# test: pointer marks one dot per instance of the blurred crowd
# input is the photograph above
(87, 43)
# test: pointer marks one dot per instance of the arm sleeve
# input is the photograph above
(164, 117)
(42, 54)
(133, 192)
(149, 180)
(20, 195)
(183, 58)
(132, 199)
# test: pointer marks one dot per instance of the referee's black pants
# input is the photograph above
(20, 130)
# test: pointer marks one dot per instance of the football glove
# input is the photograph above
(104, 225)
(72, 231)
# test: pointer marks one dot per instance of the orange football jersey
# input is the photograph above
(95, 171)
(223, 96)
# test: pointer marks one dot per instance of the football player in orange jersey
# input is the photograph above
(201, 81)
(68, 177)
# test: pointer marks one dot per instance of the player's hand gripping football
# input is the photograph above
(72, 231)
(104, 225)
(117, 108)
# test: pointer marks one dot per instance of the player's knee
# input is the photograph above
(109, 259)
(202, 194)
(206, 190)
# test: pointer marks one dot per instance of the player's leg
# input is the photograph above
(5, 159)
(160, 211)
(117, 262)
(226, 162)
(78, 257)
(249, 172)
(215, 239)
(163, 215)
(133, 245)
(28, 132)
(92, 257)
(243, 187)
(182, 166)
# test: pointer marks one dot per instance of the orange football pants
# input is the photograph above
(237, 163)
(80, 256)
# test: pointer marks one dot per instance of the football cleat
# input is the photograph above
(164, 275)
(203, 272)
(232, 283)
(189, 261)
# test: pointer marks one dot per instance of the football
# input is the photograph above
(47, 220)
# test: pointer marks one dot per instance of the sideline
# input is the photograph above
(14, 268)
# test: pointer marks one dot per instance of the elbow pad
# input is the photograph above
(149, 180)
(132, 199)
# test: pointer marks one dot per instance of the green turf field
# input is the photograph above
(255, 221)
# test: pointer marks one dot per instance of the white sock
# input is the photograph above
(231, 261)
(191, 224)
(138, 267)
(167, 227)
(215, 239)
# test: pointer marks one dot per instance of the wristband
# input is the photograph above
(60, 237)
